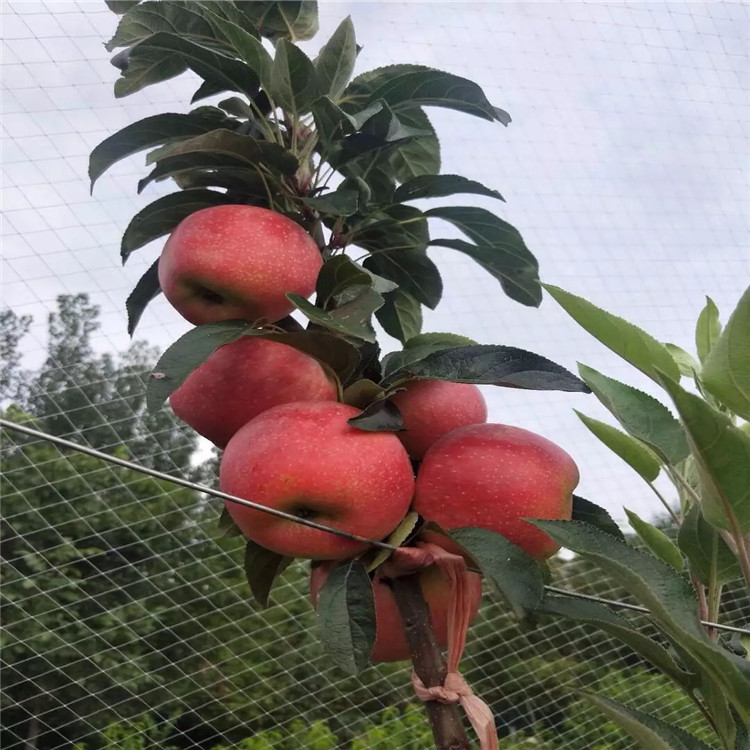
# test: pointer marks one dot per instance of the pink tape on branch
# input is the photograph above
(455, 689)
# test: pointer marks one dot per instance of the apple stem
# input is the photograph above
(429, 665)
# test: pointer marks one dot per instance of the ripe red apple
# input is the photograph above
(237, 262)
(433, 408)
(243, 379)
(305, 459)
(493, 476)
(390, 639)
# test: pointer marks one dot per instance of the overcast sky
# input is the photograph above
(625, 168)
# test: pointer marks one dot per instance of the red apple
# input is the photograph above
(305, 459)
(432, 408)
(243, 379)
(493, 476)
(390, 639)
(237, 262)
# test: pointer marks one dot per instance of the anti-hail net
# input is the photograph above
(127, 622)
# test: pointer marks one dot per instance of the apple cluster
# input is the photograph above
(288, 442)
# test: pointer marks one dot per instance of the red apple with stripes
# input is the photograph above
(306, 459)
(243, 379)
(494, 476)
(237, 262)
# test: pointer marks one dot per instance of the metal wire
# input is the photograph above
(188, 484)
(62, 442)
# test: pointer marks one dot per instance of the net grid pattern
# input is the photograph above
(626, 170)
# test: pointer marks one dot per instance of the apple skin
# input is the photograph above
(243, 379)
(305, 459)
(390, 639)
(433, 408)
(237, 262)
(493, 476)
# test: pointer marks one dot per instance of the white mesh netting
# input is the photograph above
(625, 168)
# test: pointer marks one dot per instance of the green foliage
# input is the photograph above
(671, 601)
(629, 449)
(705, 454)
(288, 120)
(346, 616)
(632, 343)
(516, 575)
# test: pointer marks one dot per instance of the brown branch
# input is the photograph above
(429, 665)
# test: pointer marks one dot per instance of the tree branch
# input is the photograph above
(445, 718)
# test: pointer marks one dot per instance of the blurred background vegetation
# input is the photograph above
(127, 622)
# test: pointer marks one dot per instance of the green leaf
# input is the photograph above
(421, 155)
(242, 149)
(641, 415)
(228, 24)
(362, 393)
(341, 202)
(439, 340)
(499, 249)
(516, 575)
(656, 540)
(722, 454)
(346, 616)
(416, 85)
(685, 361)
(628, 341)
(147, 18)
(186, 354)
(336, 353)
(209, 23)
(335, 61)
(594, 515)
(605, 619)
(439, 185)
(400, 316)
(379, 180)
(205, 90)
(707, 330)
(293, 83)
(338, 274)
(162, 56)
(121, 6)
(296, 20)
(487, 365)
(262, 567)
(519, 278)
(726, 370)
(193, 348)
(238, 107)
(379, 138)
(710, 558)
(393, 229)
(629, 449)
(380, 416)
(384, 124)
(331, 122)
(164, 214)
(145, 290)
(726, 722)
(150, 132)
(668, 596)
(399, 535)
(649, 731)
(412, 270)
(226, 526)
(351, 319)
(210, 169)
